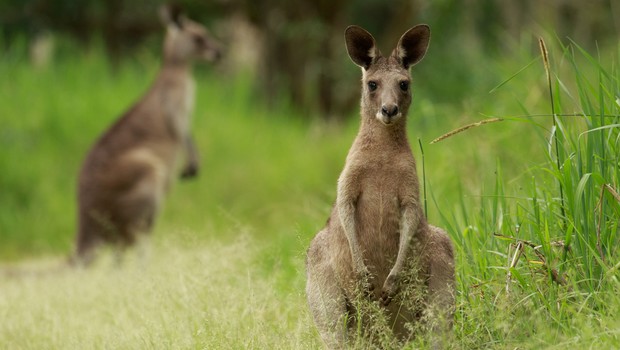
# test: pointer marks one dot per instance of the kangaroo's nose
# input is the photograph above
(389, 111)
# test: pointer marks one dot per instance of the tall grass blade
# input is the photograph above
(513, 76)
(423, 178)
(545, 55)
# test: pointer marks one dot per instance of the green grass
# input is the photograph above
(225, 267)
(539, 259)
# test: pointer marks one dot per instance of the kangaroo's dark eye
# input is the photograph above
(404, 86)
(372, 86)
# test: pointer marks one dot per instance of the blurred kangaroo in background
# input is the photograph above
(129, 169)
(377, 234)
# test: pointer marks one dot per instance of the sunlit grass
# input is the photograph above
(203, 295)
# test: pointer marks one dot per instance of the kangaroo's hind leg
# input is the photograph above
(326, 300)
(441, 286)
(138, 210)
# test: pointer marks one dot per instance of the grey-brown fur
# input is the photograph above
(377, 242)
(130, 168)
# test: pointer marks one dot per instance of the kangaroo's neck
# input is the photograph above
(175, 87)
(174, 69)
(374, 134)
(173, 94)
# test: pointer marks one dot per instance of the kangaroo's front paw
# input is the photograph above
(390, 289)
(190, 171)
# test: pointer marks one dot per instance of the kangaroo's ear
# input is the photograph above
(361, 46)
(412, 45)
(172, 15)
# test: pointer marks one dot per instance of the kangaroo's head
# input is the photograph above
(186, 40)
(386, 82)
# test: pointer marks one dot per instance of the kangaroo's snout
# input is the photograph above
(211, 49)
(212, 54)
(389, 111)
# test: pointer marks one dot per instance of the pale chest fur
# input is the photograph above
(174, 95)
(168, 109)
(379, 183)
(178, 105)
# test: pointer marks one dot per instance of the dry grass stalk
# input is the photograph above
(468, 126)
(521, 244)
(513, 263)
(545, 56)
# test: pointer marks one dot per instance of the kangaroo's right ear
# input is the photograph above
(172, 15)
(361, 46)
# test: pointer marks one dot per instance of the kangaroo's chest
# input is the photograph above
(378, 197)
(377, 213)
(378, 207)
(179, 105)
(380, 184)
(170, 105)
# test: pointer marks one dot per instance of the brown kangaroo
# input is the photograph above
(129, 169)
(377, 234)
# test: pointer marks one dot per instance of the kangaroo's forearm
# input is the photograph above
(191, 150)
(346, 212)
(408, 226)
(191, 154)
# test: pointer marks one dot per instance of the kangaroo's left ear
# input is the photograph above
(172, 15)
(412, 45)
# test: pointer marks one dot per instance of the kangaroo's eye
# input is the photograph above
(372, 86)
(404, 86)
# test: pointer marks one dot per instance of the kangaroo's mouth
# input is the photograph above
(387, 120)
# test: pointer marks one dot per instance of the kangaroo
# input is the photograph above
(130, 168)
(377, 234)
